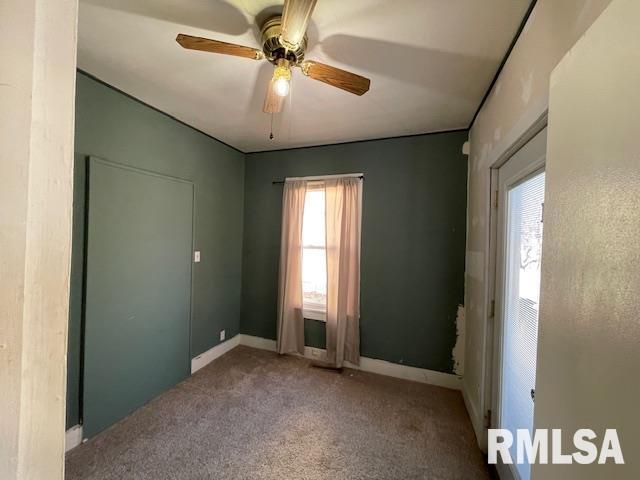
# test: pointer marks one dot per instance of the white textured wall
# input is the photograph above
(37, 78)
(589, 331)
(518, 98)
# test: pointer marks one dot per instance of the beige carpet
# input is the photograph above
(254, 415)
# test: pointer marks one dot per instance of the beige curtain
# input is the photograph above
(343, 212)
(290, 321)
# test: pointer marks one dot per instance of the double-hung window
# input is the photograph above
(314, 255)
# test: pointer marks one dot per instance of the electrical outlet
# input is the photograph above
(196, 256)
(222, 335)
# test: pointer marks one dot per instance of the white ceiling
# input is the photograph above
(429, 61)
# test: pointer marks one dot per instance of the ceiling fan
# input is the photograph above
(284, 41)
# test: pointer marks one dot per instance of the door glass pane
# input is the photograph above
(521, 305)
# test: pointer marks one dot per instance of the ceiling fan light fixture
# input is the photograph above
(282, 87)
(281, 78)
(283, 42)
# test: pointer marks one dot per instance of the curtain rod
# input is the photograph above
(281, 182)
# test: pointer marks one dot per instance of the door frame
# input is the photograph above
(536, 123)
(533, 124)
(522, 171)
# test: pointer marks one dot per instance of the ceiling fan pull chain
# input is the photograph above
(271, 131)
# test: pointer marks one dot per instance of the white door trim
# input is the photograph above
(517, 171)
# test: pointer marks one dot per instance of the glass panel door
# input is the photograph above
(520, 196)
(521, 300)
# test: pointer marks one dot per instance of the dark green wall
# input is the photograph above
(413, 242)
(114, 127)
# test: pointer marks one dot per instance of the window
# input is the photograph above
(314, 258)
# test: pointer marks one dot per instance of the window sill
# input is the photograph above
(314, 314)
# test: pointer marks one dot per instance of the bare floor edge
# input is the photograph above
(254, 414)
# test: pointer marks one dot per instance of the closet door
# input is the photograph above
(138, 290)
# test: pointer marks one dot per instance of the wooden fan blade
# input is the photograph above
(272, 101)
(336, 77)
(216, 46)
(295, 18)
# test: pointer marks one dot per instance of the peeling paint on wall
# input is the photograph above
(458, 349)
(527, 87)
(497, 134)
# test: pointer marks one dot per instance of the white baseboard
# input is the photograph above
(477, 420)
(72, 437)
(210, 355)
(381, 367)
(258, 342)
(406, 372)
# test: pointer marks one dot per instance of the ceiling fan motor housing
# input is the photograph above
(273, 47)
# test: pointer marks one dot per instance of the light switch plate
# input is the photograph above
(196, 256)
(222, 335)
